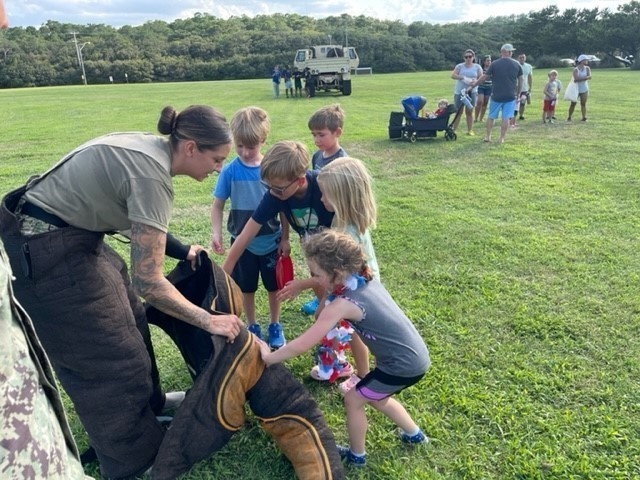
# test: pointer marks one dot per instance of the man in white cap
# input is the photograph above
(506, 75)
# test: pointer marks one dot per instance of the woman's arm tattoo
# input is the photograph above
(147, 256)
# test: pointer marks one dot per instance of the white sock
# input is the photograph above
(411, 434)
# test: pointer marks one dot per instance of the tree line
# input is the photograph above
(205, 47)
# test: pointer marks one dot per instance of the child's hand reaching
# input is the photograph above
(290, 291)
(284, 248)
(265, 350)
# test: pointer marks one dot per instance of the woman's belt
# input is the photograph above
(38, 213)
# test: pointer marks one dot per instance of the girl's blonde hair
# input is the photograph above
(347, 186)
(336, 253)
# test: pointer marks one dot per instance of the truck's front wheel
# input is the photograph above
(346, 87)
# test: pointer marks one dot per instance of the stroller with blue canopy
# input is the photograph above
(409, 125)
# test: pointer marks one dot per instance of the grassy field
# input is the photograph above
(519, 263)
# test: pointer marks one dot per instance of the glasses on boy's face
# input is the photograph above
(277, 190)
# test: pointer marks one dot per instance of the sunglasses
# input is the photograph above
(468, 56)
(278, 190)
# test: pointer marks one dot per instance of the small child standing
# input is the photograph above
(276, 75)
(288, 88)
(402, 358)
(551, 92)
(240, 181)
(326, 128)
(346, 188)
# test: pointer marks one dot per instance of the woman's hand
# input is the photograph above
(225, 325)
(192, 256)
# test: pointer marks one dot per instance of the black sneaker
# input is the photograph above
(350, 459)
(417, 439)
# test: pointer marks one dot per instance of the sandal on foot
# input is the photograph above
(315, 374)
(348, 384)
(346, 370)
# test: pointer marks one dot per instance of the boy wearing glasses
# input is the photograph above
(240, 181)
(293, 192)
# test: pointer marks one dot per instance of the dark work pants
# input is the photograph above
(94, 330)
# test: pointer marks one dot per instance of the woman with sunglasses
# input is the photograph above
(466, 74)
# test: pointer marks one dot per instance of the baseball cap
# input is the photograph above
(582, 58)
(507, 47)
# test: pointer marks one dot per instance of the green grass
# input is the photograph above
(519, 263)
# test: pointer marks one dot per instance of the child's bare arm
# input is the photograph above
(292, 289)
(284, 248)
(360, 355)
(330, 316)
(217, 209)
(248, 233)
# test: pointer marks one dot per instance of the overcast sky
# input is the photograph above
(24, 13)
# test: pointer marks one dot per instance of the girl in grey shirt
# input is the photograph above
(402, 358)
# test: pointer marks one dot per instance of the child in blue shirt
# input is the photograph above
(240, 182)
(326, 128)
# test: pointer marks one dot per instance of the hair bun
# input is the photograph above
(167, 121)
(174, 121)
